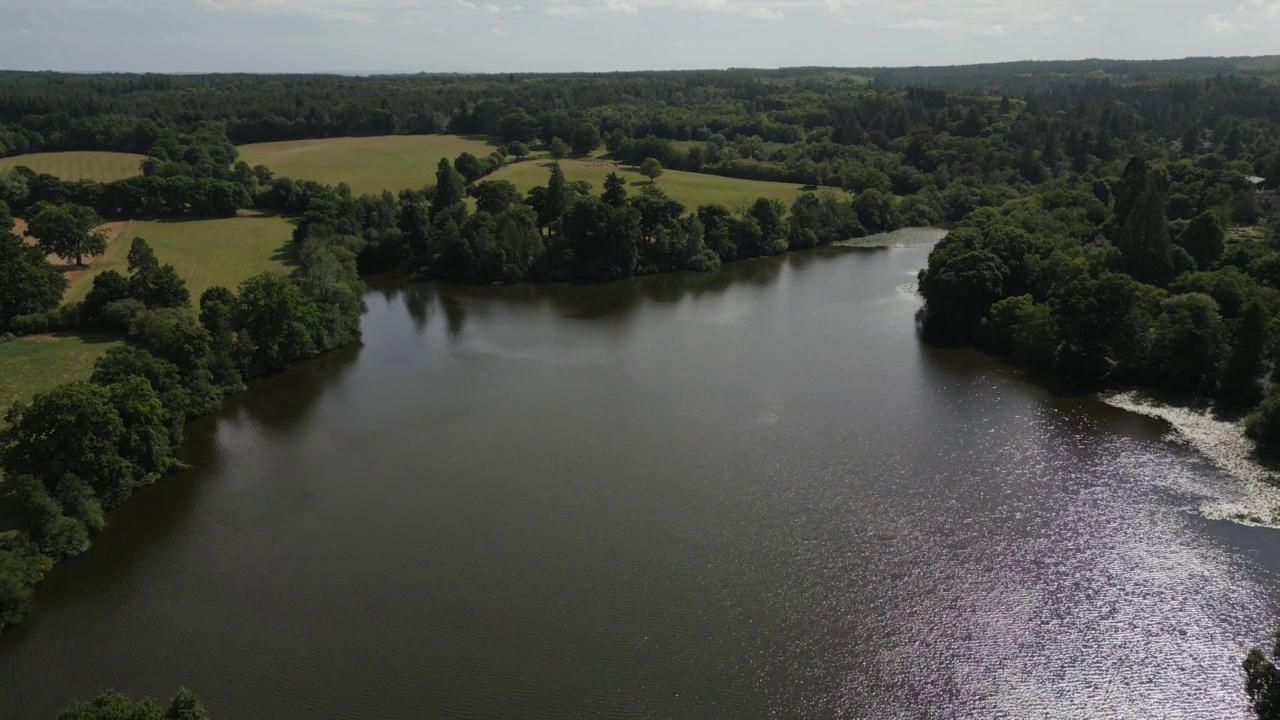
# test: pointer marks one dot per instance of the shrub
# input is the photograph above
(31, 324)
(119, 314)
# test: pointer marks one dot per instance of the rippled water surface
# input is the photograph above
(747, 494)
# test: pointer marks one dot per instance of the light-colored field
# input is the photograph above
(39, 363)
(368, 164)
(205, 253)
(88, 165)
(691, 189)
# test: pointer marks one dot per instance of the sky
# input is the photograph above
(375, 36)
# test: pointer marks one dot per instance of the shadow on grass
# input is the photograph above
(179, 219)
(491, 142)
(287, 254)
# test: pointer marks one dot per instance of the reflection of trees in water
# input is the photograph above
(281, 402)
(614, 301)
(155, 514)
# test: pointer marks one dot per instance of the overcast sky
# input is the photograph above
(554, 35)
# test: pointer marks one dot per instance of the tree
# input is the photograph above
(26, 284)
(68, 231)
(585, 137)
(1141, 228)
(861, 178)
(605, 240)
(154, 284)
(109, 286)
(768, 215)
(1204, 238)
(469, 167)
(111, 705)
(450, 188)
(274, 321)
(615, 190)
(1187, 343)
(518, 126)
(651, 169)
(1262, 681)
(959, 291)
(1238, 384)
(518, 149)
(217, 309)
(559, 149)
(21, 567)
(495, 196)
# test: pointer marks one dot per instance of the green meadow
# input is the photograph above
(100, 166)
(691, 189)
(223, 251)
(368, 164)
(38, 363)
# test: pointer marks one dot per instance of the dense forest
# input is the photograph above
(1092, 204)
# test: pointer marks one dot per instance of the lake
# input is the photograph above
(747, 494)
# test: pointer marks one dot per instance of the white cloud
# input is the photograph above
(564, 10)
(492, 8)
(625, 8)
(24, 31)
(760, 12)
(951, 28)
(497, 31)
(1219, 25)
(1077, 19)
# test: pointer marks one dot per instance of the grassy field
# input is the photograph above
(223, 251)
(368, 164)
(692, 189)
(100, 166)
(40, 362)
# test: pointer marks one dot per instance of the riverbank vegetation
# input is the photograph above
(111, 705)
(1262, 681)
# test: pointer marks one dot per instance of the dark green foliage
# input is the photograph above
(173, 336)
(275, 324)
(495, 196)
(1204, 238)
(79, 429)
(960, 287)
(108, 287)
(651, 168)
(1188, 343)
(1262, 681)
(27, 286)
(111, 705)
(1141, 228)
(450, 188)
(156, 285)
(604, 239)
(21, 568)
(68, 231)
(615, 189)
(1238, 384)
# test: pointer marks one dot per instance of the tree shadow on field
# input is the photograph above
(491, 142)
(287, 254)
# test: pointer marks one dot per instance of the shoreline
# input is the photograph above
(1223, 444)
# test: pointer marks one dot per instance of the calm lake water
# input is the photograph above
(749, 494)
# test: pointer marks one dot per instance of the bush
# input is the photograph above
(66, 317)
(119, 314)
(31, 324)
